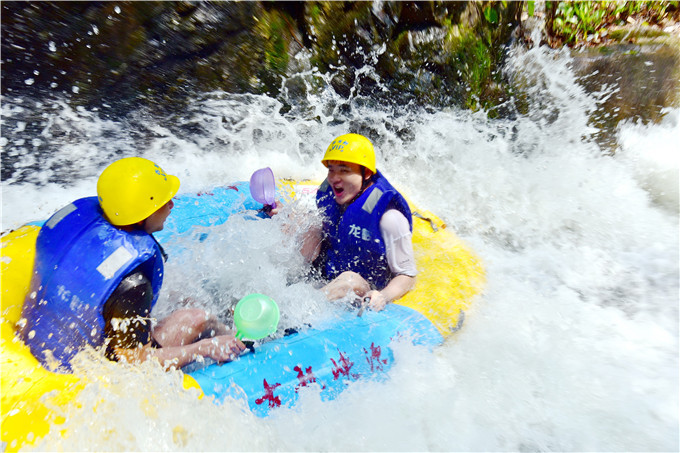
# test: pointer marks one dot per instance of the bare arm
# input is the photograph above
(223, 348)
(396, 288)
(396, 233)
(310, 239)
(311, 243)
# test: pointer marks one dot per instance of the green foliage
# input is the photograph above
(491, 14)
(273, 31)
(577, 20)
(574, 22)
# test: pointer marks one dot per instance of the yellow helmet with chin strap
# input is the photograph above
(133, 188)
(353, 148)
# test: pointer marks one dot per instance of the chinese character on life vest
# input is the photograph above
(355, 231)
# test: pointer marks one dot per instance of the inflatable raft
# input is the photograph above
(329, 355)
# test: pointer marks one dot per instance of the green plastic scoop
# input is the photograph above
(256, 316)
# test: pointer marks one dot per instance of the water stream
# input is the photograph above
(573, 345)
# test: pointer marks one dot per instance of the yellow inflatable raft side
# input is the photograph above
(449, 274)
(25, 383)
(31, 395)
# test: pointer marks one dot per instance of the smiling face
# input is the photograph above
(345, 180)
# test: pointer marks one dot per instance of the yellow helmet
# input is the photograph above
(353, 148)
(133, 188)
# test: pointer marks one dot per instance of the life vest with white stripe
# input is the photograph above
(80, 260)
(354, 239)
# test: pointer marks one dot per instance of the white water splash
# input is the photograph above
(654, 154)
(572, 347)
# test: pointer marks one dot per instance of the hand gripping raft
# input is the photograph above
(329, 356)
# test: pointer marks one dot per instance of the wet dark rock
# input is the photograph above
(160, 53)
(129, 51)
(118, 56)
(643, 76)
(426, 53)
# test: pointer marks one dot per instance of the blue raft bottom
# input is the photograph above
(331, 355)
(344, 349)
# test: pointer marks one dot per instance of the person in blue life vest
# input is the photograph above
(98, 272)
(364, 245)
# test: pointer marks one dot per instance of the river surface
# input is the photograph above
(573, 345)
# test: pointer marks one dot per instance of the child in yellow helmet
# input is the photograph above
(98, 273)
(364, 245)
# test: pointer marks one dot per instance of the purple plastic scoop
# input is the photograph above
(263, 187)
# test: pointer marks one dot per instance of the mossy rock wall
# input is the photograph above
(433, 53)
(643, 77)
(159, 53)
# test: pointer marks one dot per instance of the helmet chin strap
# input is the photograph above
(365, 182)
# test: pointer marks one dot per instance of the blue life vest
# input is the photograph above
(354, 239)
(80, 260)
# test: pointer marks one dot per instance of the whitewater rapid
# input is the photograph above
(573, 345)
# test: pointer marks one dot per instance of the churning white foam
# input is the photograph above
(573, 345)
